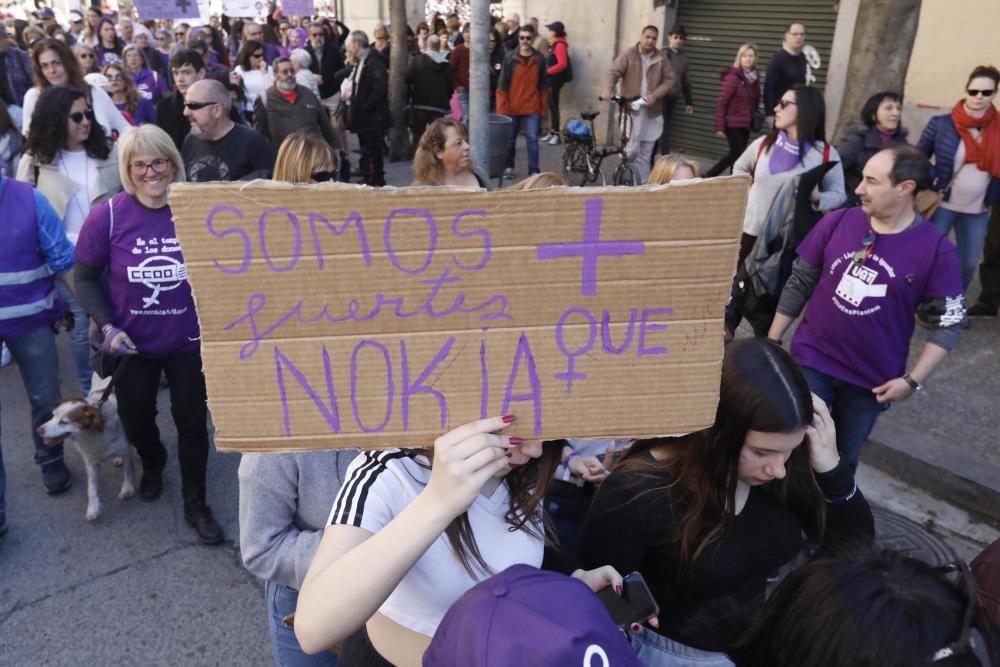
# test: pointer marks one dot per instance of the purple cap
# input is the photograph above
(46, 13)
(526, 616)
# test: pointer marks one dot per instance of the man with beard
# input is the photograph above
(217, 149)
(287, 107)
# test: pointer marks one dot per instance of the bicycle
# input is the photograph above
(582, 155)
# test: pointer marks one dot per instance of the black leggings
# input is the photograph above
(554, 106)
(738, 138)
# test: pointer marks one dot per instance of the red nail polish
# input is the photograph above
(508, 454)
(508, 419)
(515, 441)
(618, 589)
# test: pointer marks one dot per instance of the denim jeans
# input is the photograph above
(280, 602)
(136, 391)
(531, 124)
(79, 344)
(463, 104)
(854, 411)
(655, 650)
(970, 236)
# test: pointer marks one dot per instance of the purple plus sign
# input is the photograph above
(591, 248)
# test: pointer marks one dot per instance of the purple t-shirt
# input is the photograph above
(859, 319)
(148, 291)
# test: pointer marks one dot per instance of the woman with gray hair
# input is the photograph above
(150, 327)
(303, 75)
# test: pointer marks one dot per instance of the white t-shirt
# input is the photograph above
(82, 170)
(378, 486)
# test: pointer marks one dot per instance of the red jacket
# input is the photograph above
(737, 99)
(560, 51)
(523, 88)
(459, 59)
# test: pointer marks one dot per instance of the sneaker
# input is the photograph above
(545, 137)
(199, 516)
(508, 174)
(981, 309)
(5, 357)
(56, 478)
(554, 140)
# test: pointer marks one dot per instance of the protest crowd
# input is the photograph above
(753, 543)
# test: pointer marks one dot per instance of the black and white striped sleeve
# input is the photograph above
(371, 494)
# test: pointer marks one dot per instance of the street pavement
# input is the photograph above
(136, 588)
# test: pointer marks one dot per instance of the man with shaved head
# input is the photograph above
(217, 149)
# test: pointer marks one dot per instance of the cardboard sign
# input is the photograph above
(150, 10)
(341, 316)
(297, 7)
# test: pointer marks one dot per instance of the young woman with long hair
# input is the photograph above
(147, 83)
(69, 159)
(709, 516)
(412, 530)
(136, 109)
(94, 15)
(53, 64)
(109, 45)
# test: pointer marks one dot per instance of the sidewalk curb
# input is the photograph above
(955, 475)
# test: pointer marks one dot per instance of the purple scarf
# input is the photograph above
(784, 155)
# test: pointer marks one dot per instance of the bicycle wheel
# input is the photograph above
(593, 173)
(626, 174)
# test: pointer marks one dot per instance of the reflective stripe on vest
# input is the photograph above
(23, 277)
(28, 309)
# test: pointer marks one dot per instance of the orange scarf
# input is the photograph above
(984, 153)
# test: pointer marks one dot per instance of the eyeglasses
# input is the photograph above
(977, 93)
(179, 34)
(867, 248)
(195, 106)
(87, 56)
(525, 38)
(256, 55)
(115, 77)
(970, 641)
(159, 165)
(78, 116)
(784, 104)
(316, 35)
(323, 176)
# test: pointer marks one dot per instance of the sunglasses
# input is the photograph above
(78, 116)
(158, 166)
(867, 248)
(983, 93)
(195, 106)
(323, 176)
(970, 641)
(87, 56)
(525, 38)
(784, 104)
(256, 55)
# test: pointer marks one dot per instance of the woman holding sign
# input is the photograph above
(411, 531)
(146, 314)
(709, 517)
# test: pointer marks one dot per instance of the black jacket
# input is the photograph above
(333, 60)
(783, 72)
(430, 83)
(856, 147)
(370, 95)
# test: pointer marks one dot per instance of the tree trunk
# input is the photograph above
(399, 136)
(880, 54)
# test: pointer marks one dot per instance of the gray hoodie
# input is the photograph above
(285, 500)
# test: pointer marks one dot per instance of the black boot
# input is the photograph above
(151, 484)
(199, 516)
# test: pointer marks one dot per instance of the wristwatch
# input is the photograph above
(914, 385)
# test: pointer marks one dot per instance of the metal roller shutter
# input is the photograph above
(715, 29)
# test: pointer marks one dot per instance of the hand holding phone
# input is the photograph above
(635, 604)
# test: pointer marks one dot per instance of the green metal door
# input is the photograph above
(716, 29)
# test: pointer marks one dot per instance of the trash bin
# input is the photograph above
(500, 129)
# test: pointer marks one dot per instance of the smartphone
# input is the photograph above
(634, 605)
